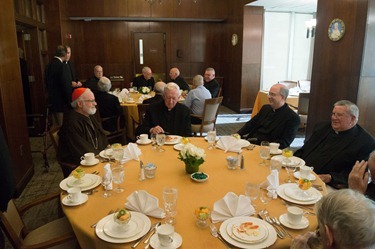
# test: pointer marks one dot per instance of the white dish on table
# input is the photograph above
(65, 201)
(295, 192)
(297, 175)
(95, 179)
(178, 146)
(148, 141)
(300, 162)
(177, 242)
(94, 162)
(281, 192)
(303, 224)
(172, 139)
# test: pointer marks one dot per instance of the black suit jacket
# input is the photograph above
(181, 83)
(141, 81)
(157, 98)
(59, 83)
(108, 106)
(175, 121)
(356, 144)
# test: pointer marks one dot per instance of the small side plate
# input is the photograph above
(199, 177)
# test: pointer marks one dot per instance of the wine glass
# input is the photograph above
(118, 154)
(265, 199)
(290, 168)
(211, 138)
(287, 153)
(109, 153)
(160, 140)
(118, 177)
(170, 202)
(153, 141)
(106, 181)
(264, 152)
(252, 191)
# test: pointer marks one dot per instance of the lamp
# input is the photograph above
(310, 25)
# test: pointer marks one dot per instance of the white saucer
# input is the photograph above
(284, 220)
(67, 202)
(178, 146)
(148, 141)
(95, 162)
(177, 242)
(130, 102)
(278, 152)
(297, 175)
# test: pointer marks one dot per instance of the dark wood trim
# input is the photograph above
(144, 19)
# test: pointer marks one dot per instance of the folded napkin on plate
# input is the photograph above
(145, 203)
(271, 184)
(231, 206)
(229, 143)
(131, 152)
(123, 95)
(108, 175)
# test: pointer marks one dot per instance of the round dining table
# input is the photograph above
(170, 172)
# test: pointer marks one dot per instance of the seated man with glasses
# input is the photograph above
(335, 146)
(81, 132)
(275, 122)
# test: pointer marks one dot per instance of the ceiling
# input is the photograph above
(299, 6)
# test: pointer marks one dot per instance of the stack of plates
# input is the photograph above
(296, 160)
(109, 231)
(248, 232)
(89, 181)
(292, 193)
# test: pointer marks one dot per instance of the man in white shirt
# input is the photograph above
(196, 98)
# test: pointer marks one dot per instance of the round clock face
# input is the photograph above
(234, 39)
(336, 29)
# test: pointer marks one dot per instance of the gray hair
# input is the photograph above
(159, 87)
(210, 69)
(350, 216)
(284, 91)
(198, 80)
(145, 69)
(351, 107)
(74, 103)
(104, 84)
(171, 86)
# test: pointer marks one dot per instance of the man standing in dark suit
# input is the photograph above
(75, 82)
(59, 84)
(335, 146)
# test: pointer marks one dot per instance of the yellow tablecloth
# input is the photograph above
(171, 172)
(262, 99)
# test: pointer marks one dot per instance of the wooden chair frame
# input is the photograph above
(208, 117)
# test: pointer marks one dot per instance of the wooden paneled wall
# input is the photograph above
(336, 65)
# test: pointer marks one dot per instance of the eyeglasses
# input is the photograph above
(272, 94)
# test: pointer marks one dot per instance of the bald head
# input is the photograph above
(159, 87)
(98, 71)
(174, 73)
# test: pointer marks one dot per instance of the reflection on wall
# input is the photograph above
(287, 53)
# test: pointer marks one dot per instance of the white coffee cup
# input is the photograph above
(165, 234)
(274, 147)
(305, 171)
(294, 215)
(143, 138)
(88, 157)
(74, 194)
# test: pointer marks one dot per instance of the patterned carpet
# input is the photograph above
(43, 183)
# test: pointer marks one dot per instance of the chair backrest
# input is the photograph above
(13, 225)
(303, 103)
(221, 83)
(141, 113)
(210, 112)
(288, 83)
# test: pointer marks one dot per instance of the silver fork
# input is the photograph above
(96, 223)
(280, 234)
(277, 222)
(216, 234)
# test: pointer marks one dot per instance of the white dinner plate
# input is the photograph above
(297, 175)
(99, 230)
(68, 202)
(172, 139)
(112, 229)
(178, 146)
(84, 182)
(177, 242)
(295, 159)
(102, 154)
(281, 193)
(130, 102)
(97, 181)
(268, 241)
(278, 152)
(244, 143)
(216, 139)
(148, 141)
(296, 193)
(95, 162)
(253, 236)
(303, 224)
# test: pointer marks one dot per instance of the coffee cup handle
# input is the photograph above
(138, 137)
(82, 158)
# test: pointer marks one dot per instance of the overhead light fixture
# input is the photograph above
(310, 26)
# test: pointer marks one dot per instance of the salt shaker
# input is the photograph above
(242, 166)
(239, 159)
(141, 172)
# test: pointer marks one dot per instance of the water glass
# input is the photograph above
(106, 181)
(252, 191)
(153, 141)
(118, 176)
(170, 202)
(264, 152)
(160, 140)
(265, 199)
(211, 138)
(290, 169)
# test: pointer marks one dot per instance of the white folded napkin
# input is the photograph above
(131, 152)
(145, 203)
(231, 206)
(123, 95)
(271, 184)
(108, 175)
(229, 143)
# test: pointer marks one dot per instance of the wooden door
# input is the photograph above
(150, 50)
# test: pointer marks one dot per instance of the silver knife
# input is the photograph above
(281, 236)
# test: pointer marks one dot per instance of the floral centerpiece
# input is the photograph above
(192, 156)
(144, 90)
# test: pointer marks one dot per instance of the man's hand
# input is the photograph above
(358, 177)
(76, 84)
(156, 130)
(326, 178)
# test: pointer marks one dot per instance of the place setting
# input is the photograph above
(294, 218)
(300, 193)
(75, 197)
(88, 159)
(80, 179)
(305, 173)
(143, 139)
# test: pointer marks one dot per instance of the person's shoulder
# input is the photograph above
(364, 133)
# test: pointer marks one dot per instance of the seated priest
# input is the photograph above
(145, 79)
(158, 89)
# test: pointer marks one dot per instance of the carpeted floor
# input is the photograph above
(43, 183)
